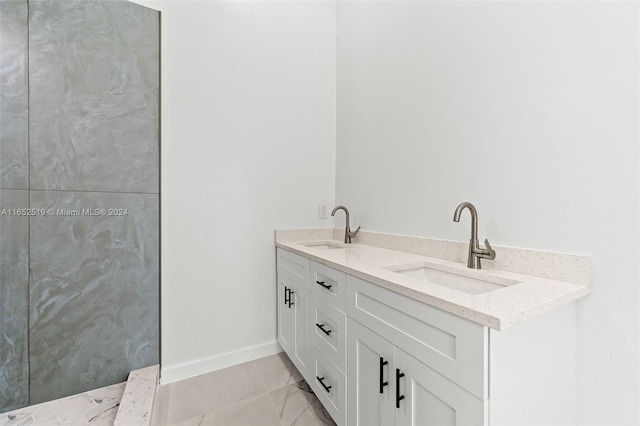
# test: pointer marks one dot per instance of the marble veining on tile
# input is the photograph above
(296, 404)
(136, 406)
(95, 407)
(269, 391)
(14, 282)
(14, 113)
(277, 371)
(93, 290)
(94, 93)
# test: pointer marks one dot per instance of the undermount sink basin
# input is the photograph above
(324, 245)
(484, 283)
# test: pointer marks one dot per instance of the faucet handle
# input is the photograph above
(353, 233)
(488, 253)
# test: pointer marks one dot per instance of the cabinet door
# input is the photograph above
(285, 314)
(370, 365)
(299, 301)
(431, 399)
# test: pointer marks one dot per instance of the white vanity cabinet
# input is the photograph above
(374, 356)
(415, 363)
(293, 307)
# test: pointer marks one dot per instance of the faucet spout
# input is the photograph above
(347, 230)
(336, 208)
(474, 217)
(475, 251)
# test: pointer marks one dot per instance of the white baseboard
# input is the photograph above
(170, 374)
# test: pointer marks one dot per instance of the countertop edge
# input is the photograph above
(475, 315)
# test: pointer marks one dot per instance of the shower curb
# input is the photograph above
(136, 406)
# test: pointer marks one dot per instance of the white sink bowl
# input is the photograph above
(435, 274)
(324, 245)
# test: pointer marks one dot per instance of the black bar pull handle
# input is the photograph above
(382, 383)
(321, 327)
(290, 300)
(320, 380)
(321, 283)
(398, 396)
(286, 294)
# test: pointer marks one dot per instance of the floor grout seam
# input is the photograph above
(275, 410)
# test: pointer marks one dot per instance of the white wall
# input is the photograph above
(248, 145)
(530, 111)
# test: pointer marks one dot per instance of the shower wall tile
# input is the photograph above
(13, 95)
(93, 289)
(14, 275)
(94, 96)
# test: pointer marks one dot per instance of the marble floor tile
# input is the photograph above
(277, 371)
(213, 399)
(107, 404)
(254, 411)
(18, 419)
(208, 392)
(201, 420)
(96, 407)
(297, 405)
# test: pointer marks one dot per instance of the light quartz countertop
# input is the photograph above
(524, 297)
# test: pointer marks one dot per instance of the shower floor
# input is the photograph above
(126, 403)
(95, 407)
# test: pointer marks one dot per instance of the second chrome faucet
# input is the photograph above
(475, 251)
(347, 230)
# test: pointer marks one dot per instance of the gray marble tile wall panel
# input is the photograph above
(94, 291)
(13, 95)
(14, 275)
(94, 95)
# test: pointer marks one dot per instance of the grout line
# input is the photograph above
(273, 405)
(13, 189)
(28, 301)
(260, 376)
(98, 192)
(275, 410)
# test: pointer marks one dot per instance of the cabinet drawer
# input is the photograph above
(333, 394)
(295, 267)
(329, 285)
(328, 331)
(452, 346)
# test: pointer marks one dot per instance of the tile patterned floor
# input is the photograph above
(267, 391)
(96, 407)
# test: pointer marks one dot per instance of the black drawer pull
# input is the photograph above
(290, 301)
(286, 294)
(328, 287)
(320, 380)
(321, 327)
(382, 384)
(398, 396)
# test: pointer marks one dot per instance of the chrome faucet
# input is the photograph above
(347, 230)
(475, 252)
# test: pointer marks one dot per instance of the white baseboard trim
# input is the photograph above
(170, 374)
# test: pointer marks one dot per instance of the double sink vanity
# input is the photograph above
(398, 330)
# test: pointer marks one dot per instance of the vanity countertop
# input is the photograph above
(498, 309)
